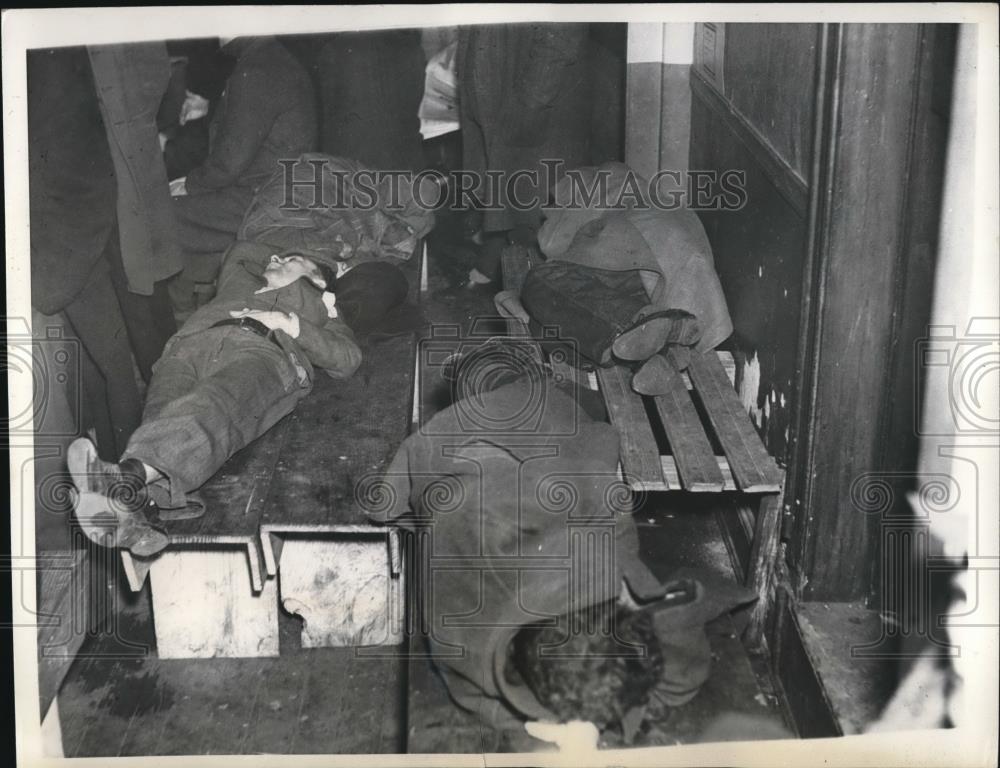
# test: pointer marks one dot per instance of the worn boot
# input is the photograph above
(110, 501)
(652, 330)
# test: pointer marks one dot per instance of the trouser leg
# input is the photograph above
(242, 385)
(57, 416)
(588, 307)
(96, 318)
(206, 227)
(148, 319)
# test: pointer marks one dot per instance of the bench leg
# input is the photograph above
(763, 559)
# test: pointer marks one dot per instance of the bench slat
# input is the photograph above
(640, 456)
(673, 478)
(752, 467)
(692, 452)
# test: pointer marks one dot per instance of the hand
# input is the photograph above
(193, 108)
(576, 735)
(178, 187)
(274, 320)
(330, 302)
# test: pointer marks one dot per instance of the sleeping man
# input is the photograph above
(235, 368)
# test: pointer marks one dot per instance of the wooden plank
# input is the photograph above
(799, 684)
(736, 535)
(640, 456)
(64, 619)
(672, 477)
(763, 557)
(754, 470)
(245, 545)
(728, 363)
(786, 179)
(864, 254)
(341, 434)
(693, 455)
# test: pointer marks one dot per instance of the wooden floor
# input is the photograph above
(739, 683)
(118, 700)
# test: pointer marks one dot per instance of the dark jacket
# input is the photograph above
(71, 188)
(524, 95)
(131, 80)
(267, 113)
(323, 342)
(371, 84)
(517, 496)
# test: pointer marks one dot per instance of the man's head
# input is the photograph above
(285, 269)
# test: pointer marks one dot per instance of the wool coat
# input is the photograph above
(524, 96)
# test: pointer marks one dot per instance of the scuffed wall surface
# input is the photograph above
(760, 249)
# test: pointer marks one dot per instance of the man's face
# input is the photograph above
(285, 270)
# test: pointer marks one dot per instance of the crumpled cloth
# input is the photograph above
(352, 216)
(669, 248)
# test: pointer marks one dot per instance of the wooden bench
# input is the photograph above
(696, 439)
(282, 527)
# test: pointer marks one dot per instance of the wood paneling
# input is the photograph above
(769, 79)
(859, 254)
(827, 266)
(759, 252)
(788, 181)
(752, 111)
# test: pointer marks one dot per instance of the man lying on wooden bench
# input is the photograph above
(236, 367)
(626, 281)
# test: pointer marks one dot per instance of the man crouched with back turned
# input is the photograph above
(236, 367)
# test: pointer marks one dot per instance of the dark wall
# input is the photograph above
(755, 114)
(769, 78)
(828, 267)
